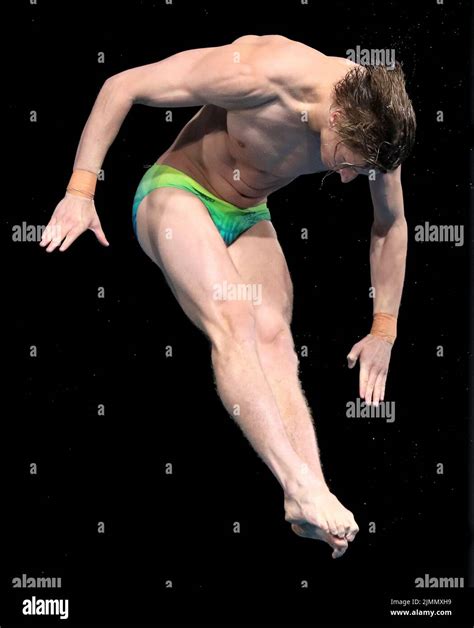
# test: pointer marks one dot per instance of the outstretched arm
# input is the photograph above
(228, 76)
(388, 250)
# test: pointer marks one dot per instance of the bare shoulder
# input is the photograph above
(278, 44)
(260, 39)
(345, 63)
(281, 59)
(290, 69)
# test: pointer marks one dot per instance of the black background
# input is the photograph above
(111, 468)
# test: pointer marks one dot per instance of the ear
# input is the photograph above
(333, 116)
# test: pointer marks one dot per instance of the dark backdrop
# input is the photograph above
(158, 410)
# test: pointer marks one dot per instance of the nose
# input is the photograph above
(347, 174)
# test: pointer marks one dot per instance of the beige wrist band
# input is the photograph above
(384, 326)
(82, 183)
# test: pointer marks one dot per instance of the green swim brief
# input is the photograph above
(231, 221)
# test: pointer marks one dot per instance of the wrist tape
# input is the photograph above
(82, 183)
(384, 326)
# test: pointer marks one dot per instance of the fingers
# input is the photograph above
(374, 357)
(353, 355)
(369, 389)
(372, 386)
(52, 232)
(363, 379)
(100, 235)
(73, 234)
(54, 243)
(351, 360)
(379, 387)
(55, 233)
(72, 216)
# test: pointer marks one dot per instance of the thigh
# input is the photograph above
(175, 230)
(259, 259)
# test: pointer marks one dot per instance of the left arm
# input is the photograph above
(388, 250)
(388, 245)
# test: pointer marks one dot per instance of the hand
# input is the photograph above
(72, 216)
(374, 354)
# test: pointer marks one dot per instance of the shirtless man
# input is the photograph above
(271, 109)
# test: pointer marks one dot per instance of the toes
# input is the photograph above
(339, 550)
(323, 525)
(337, 528)
(335, 542)
(352, 534)
(333, 528)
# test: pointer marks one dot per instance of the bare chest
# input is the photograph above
(274, 140)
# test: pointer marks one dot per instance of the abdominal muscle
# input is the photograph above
(206, 152)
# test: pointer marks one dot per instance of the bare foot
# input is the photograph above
(315, 513)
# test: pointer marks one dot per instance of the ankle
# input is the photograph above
(303, 480)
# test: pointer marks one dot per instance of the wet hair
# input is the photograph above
(376, 118)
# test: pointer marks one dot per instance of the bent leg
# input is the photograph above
(260, 261)
(176, 232)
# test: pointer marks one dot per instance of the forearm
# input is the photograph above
(108, 113)
(387, 266)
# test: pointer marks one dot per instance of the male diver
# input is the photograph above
(271, 109)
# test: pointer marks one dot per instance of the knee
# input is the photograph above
(274, 336)
(232, 322)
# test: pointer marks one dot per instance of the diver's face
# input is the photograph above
(337, 156)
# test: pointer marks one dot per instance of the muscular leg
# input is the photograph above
(259, 259)
(176, 232)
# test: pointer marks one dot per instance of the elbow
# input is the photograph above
(381, 229)
(118, 86)
(113, 80)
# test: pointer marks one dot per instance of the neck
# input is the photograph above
(319, 116)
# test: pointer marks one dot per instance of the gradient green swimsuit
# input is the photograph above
(231, 221)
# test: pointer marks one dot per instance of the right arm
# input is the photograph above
(187, 79)
(228, 76)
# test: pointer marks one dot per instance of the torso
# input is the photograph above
(244, 155)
